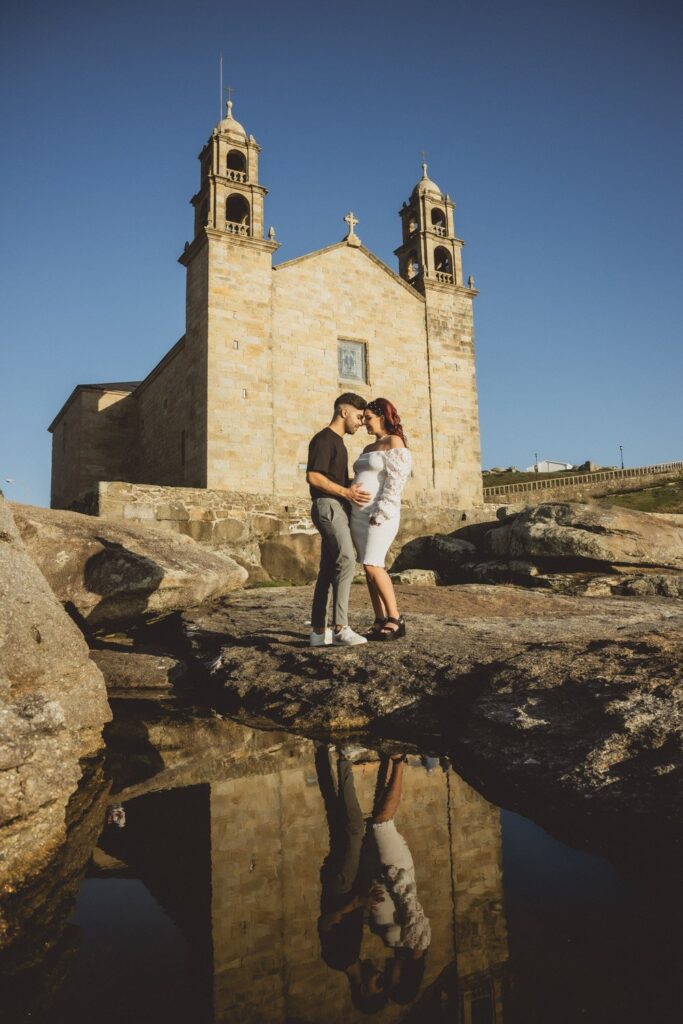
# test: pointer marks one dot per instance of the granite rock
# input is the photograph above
(113, 575)
(53, 705)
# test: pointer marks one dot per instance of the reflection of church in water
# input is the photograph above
(240, 878)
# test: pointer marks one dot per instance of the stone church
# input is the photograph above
(267, 347)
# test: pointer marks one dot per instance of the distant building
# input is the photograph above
(548, 466)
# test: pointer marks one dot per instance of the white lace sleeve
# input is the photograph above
(397, 466)
(416, 931)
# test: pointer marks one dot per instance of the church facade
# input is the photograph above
(267, 347)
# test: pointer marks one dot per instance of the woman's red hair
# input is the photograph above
(383, 407)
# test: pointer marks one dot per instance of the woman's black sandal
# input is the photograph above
(375, 632)
(393, 634)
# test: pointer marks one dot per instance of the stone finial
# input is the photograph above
(271, 233)
(352, 238)
(470, 281)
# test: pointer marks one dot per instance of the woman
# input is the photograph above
(382, 469)
(396, 914)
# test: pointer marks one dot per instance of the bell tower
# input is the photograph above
(430, 250)
(430, 259)
(229, 311)
(230, 198)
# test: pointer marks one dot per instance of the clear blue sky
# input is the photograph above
(555, 127)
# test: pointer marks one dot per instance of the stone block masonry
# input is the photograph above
(270, 536)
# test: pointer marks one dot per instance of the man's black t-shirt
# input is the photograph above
(327, 454)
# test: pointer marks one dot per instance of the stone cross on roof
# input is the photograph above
(351, 221)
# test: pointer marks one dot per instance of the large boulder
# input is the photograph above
(53, 705)
(572, 533)
(294, 557)
(444, 555)
(114, 575)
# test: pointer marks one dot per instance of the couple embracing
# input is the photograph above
(357, 519)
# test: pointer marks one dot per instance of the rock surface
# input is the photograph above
(571, 548)
(613, 536)
(135, 671)
(558, 705)
(53, 705)
(115, 575)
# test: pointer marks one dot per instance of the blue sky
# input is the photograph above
(555, 127)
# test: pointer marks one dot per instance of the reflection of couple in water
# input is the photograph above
(369, 871)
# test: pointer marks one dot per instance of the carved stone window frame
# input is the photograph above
(357, 352)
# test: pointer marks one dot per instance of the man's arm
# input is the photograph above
(354, 493)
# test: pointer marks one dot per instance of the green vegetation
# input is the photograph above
(262, 584)
(666, 497)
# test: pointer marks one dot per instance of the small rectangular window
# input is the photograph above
(351, 361)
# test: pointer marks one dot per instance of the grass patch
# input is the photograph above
(262, 584)
(660, 498)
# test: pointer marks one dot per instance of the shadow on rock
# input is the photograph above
(124, 578)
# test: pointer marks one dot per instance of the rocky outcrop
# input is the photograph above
(555, 705)
(138, 673)
(571, 548)
(590, 534)
(113, 575)
(53, 705)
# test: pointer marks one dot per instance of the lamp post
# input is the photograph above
(621, 452)
(535, 462)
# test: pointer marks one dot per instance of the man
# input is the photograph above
(327, 475)
(344, 899)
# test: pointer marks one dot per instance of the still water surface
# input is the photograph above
(236, 899)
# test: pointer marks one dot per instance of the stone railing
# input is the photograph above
(439, 230)
(233, 228)
(235, 175)
(444, 278)
(606, 479)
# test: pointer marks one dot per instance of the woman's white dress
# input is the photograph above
(398, 917)
(383, 475)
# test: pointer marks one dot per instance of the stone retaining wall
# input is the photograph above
(577, 487)
(272, 537)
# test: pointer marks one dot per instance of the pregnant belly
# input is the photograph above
(369, 482)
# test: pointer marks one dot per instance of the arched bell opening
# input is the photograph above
(236, 165)
(443, 265)
(413, 222)
(237, 215)
(438, 218)
(412, 266)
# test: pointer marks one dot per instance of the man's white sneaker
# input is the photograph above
(347, 638)
(320, 639)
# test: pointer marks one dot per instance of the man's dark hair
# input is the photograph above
(348, 398)
(366, 1003)
(412, 973)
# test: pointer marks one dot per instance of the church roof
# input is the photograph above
(359, 248)
(126, 385)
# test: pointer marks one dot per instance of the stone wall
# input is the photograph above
(272, 537)
(453, 394)
(338, 294)
(266, 891)
(92, 440)
(578, 487)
